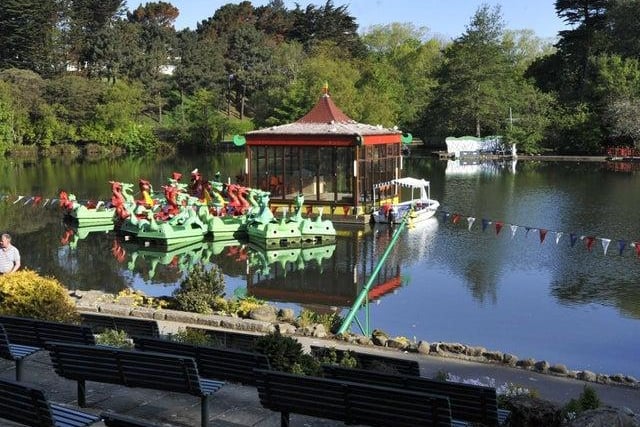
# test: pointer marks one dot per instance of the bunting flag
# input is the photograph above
(470, 221)
(621, 245)
(558, 236)
(543, 234)
(573, 238)
(588, 241)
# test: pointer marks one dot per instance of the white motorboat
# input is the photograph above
(421, 206)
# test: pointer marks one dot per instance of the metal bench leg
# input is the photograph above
(19, 370)
(82, 402)
(204, 411)
(284, 419)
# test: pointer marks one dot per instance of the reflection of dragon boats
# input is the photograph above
(74, 232)
(288, 259)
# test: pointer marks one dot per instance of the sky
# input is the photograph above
(445, 18)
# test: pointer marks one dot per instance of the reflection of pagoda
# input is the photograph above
(331, 159)
(334, 283)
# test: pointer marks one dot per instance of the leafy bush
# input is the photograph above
(113, 338)
(345, 359)
(194, 337)
(243, 306)
(588, 399)
(285, 354)
(201, 289)
(27, 294)
(330, 321)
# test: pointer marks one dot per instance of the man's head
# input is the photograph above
(5, 240)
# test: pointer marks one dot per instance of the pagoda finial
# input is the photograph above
(325, 88)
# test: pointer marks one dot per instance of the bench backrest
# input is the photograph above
(130, 368)
(350, 402)
(471, 403)
(230, 339)
(4, 344)
(131, 325)
(374, 362)
(36, 333)
(213, 362)
(25, 405)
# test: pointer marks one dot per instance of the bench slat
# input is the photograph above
(470, 403)
(130, 368)
(131, 325)
(28, 405)
(213, 362)
(350, 402)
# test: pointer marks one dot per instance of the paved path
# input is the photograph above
(237, 405)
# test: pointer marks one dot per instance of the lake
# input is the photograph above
(514, 261)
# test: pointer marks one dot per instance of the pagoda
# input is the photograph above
(326, 156)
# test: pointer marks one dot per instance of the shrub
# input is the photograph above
(194, 337)
(200, 290)
(346, 359)
(330, 321)
(243, 306)
(285, 354)
(113, 338)
(27, 294)
(588, 399)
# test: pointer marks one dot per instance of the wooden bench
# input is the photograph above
(230, 339)
(350, 402)
(112, 419)
(470, 403)
(14, 352)
(21, 337)
(219, 363)
(132, 369)
(35, 332)
(28, 406)
(131, 325)
(373, 362)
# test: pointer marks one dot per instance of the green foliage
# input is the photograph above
(193, 336)
(200, 290)
(25, 293)
(113, 338)
(285, 354)
(441, 376)
(330, 321)
(346, 360)
(241, 307)
(587, 400)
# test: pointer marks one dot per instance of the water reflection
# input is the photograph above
(474, 166)
(441, 282)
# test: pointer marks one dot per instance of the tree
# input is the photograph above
(28, 35)
(475, 80)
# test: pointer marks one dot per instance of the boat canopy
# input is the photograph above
(413, 183)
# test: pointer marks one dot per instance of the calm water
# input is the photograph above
(443, 281)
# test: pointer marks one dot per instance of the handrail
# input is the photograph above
(365, 291)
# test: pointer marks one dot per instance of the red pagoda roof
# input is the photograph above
(325, 111)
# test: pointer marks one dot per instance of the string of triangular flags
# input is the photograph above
(589, 240)
(41, 201)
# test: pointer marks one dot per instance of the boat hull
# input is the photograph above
(418, 210)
